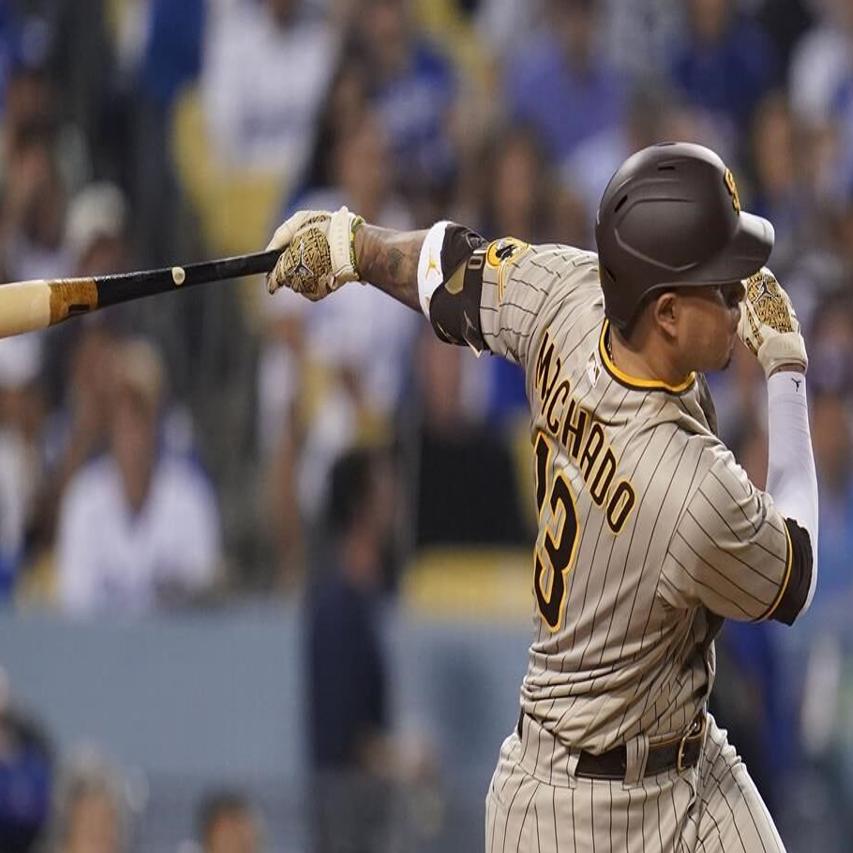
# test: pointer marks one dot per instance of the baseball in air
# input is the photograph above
(178, 275)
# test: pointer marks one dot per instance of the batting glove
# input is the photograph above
(318, 252)
(768, 324)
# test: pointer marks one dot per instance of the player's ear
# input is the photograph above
(665, 310)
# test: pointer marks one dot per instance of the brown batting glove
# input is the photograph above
(318, 252)
(768, 324)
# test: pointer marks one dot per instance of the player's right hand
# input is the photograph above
(769, 326)
(318, 252)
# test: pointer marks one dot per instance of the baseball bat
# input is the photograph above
(29, 305)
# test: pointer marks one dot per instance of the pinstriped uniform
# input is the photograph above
(649, 534)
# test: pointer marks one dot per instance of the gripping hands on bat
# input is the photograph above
(317, 252)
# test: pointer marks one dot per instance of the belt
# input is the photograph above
(676, 754)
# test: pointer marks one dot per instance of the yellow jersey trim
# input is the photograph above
(635, 382)
(788, 565)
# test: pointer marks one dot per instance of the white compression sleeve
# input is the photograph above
(791, 477)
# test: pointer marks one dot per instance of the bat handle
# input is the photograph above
(114, 289)
(259, 263)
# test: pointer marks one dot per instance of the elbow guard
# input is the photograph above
(454, 308)
(799, 580)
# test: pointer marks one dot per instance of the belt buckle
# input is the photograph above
(697, 729)
(679, 758)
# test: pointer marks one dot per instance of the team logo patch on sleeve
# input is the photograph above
(501, 253)
(503, 250)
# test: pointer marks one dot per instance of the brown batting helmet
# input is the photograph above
(671, 217)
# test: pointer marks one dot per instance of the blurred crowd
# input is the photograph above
(90, 805)
(177, 452)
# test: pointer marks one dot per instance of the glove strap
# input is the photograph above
(357, 222)
(784, 348)
(342, 247)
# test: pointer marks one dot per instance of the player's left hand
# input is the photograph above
(769, 326)
(318, 252)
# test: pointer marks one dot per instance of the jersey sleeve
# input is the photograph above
(513, 299)
(733, 552)
(492, 296)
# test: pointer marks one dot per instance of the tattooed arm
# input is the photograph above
(389, 260)
(321, 251)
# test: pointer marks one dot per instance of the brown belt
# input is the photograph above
(678, 754)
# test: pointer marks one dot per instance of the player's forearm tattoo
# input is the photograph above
(395, 261)
(389, 260)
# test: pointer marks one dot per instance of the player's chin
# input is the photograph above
(724, 359)
(730, 354)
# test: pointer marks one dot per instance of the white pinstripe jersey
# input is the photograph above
(649, 531)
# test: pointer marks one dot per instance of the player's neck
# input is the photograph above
(645, 361)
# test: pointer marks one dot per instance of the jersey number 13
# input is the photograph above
(558, 549)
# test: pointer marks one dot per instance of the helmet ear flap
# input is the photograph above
(606, 274)
(611, 308)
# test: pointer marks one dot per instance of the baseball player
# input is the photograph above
(650, 533)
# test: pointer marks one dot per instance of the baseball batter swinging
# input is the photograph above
(650, 533)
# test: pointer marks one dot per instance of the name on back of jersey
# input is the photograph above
(582, 437)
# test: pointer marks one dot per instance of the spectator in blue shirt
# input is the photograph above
(26, 777)
(560, 84)
(6, 51)
(173, 50)
(347, 668)
(841, 113)
(833, 442)
(726, 62)
(348, 709)
(171, 59)
(780, 192)
(412, 86)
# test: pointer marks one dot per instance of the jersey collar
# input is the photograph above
(634, 382)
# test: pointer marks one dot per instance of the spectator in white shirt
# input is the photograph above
(324, 381)
(139, 527)
(268, 65)
(21, 469)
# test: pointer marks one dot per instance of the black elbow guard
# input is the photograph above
(454, 309)
(802, 563)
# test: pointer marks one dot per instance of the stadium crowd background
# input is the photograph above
(185, 453)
